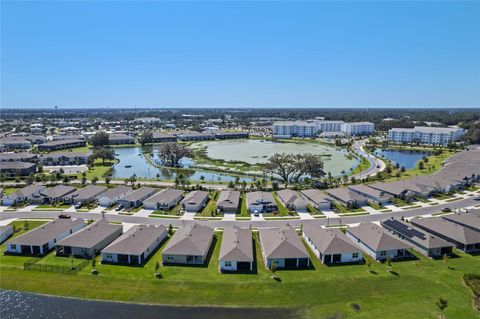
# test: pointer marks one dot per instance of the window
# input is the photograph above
(54, 240)
(383, 253)
(170, 257)
(13, 246)
(109, 256)
(83, 250)
(355, 255)
(228, 264)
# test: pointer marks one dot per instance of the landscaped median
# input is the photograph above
(412, 290)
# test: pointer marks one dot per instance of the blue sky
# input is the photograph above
(240, 54)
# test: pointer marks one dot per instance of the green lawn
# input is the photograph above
(172, 211)
(210, 207)
(362, 166)
(320, 292)
(243, 206)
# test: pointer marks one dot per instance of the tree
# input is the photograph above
(99, 139)
(273, 266)
(26, 225)
(421, 165)
(146, 137)
(107, 180)
(171, 153)
(157, 268)
(170, 229)
(292, 167)
(65, 179)
(94, 179)
(106, 154)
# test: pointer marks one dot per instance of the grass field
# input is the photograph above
(320, 292)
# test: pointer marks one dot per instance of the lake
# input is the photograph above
(405, 158)
(23, 305)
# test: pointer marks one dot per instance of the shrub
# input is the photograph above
(442, 303)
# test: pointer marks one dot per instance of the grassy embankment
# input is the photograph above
(412, 289)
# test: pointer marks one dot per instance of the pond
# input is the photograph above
(23, 305)
(405, 158)
(253, 151)
(132, 161)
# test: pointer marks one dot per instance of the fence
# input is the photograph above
(33, 264)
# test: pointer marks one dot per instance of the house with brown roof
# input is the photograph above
(135, 245)
(189, 245)
(283, 247)
(90, 240)
(236, 251)
(377, 242)
(42, 239)
(331, 246)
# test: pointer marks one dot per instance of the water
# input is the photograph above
(138, 165)
(22, 305)
(407, 159)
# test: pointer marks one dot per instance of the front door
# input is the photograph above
(337, 258)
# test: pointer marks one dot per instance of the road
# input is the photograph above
(376, 165)
(253, 223)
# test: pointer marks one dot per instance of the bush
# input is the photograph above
(442, 303)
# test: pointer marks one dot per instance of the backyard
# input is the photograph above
(413, 289)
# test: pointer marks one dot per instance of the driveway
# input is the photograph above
(304, 214)
(144, 212)
(188, 215)
(228, 216)
(28, 208)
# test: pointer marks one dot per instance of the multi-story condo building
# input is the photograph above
(288, 129)
(425, 135)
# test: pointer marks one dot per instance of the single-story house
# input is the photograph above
(331, 246)
(42, 239)
(236, 251)
(469, 220)
(373, 195)
(90, 240)
(195, 201)
(377, 242)
(283, 247)
(17, 168)
(292, 200)
(317, 199)
(189, 245)
(262, 202)
(347, 197)
(427, 244)
(5, 233)
(228, 201)
(57, 193)
(136, 198)
(111, 196)
(166, 199)
(399, 189)
(27, 193)
(135, 245)
(465, 239)
(88, 194)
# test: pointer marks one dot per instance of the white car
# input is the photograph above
(256, 213)
(477, 197)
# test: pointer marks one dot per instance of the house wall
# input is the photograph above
(233, 267)
(370, 251)
(5, 234)
(180, 259)
(346, 257)
(77, 251)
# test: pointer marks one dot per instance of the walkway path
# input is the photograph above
(376, 164)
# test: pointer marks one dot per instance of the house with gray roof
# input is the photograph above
(111, 196)
(42, 239)
(292, 200)
(331, 246)
(90, 240)
(57, 193)
(13, 169)
(283, 247)
(136, 198)
(65, 158)
(228, 201)
(189, 245)
(347, 197)
(61, 144)
(377, 242)
(236, 251)
(165, 200)
(88, 194)
(317, 199)
(465, 239)
(262, 202)
(120, 138)
(18, 157)
(195, 201)
(468, 220)
(159, 137)
(5, 232)
(373, 195)
(427, 244)
(27, 193)
(135, 245)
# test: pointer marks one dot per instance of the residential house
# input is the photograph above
(136, 198)
(262, 202)
(27, 193)
(18, 157)
(42, 239)
(347, 197)
(468, 220)
(162, 137)
(194, 201)
(373, 195)
(135, 245)
(111, 196)
(56, 194)
(331, 246)
(88, 194)
(165, 200)
(189, 245)
(236, 251)
(317, 199)
(292, 200)
(90, 240)
(13, 169)
(61, 144)
(228, 201)
(425, 243)
(5, 233)
(377, 242)
(283, 247)
(65, 158)
(120, 138)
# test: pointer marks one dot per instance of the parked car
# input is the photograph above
(256, 213)
(446, 209)
(64, 216)
(77, 205)
(118, 208)
(476, 197)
